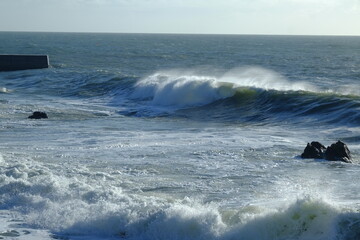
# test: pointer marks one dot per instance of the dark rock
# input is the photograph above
(38, 115)
(314, 150)
(338, 152)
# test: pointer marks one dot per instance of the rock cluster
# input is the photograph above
(336, 152)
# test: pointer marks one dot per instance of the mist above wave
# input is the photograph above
(187, 88)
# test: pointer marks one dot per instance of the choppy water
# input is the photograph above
(179, 137)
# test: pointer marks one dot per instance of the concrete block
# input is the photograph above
(22, 62)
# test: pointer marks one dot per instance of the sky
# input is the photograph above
(288, 17)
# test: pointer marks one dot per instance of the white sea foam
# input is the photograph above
(15, 228)
(4, 90)
(78, 201)
(304, 219)
(166, 89)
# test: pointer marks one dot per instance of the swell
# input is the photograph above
(260, 106)
(67, 83)
(307, 106)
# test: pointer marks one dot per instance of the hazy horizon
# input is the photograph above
(255, 17)
(175, 33)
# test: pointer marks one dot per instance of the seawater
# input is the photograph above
(179, 137)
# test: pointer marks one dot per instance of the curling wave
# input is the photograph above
(181, 89)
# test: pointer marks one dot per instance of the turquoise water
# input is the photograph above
(179, 137)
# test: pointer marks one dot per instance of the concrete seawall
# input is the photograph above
(22, 62)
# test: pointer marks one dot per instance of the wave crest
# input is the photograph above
(179, 89)
(257, 77)
(164, 89)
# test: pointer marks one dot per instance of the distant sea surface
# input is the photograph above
(154, 136)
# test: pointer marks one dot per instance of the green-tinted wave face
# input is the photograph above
(259, 106)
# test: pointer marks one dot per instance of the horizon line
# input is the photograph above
(181, 33)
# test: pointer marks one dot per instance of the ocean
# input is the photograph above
(166, 136)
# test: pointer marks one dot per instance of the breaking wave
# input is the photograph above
(245, 94)
(186, 89)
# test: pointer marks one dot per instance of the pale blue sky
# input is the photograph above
(309, 17)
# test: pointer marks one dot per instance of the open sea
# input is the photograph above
(179, 137)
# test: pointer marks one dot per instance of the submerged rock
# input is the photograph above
(38, 115)
(336, 152)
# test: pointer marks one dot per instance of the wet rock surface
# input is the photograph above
(335, 152)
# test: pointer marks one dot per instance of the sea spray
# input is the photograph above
(305, 219)
(187, 88)
(258, 77)
(179, 91)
